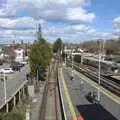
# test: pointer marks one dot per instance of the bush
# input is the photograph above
(13, 116)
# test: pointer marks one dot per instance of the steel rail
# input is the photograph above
(51, 76)
(106, 83)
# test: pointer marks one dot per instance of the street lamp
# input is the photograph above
(5, 91)
(103, 51)
(99, 76)
(65, 55)
(72, 62)
(37, 74)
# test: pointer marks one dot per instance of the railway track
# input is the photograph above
(103, 73)
(49, 109)
(111, 84)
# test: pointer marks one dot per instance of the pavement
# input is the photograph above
(14, 82)
(5, 65)
(109, 107)
(36, 103)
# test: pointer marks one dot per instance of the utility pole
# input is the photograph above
(103, 51)
(99, 76)
(5, 95)
(72, 63)
(37, 75)
(82, 58)
(65, 55)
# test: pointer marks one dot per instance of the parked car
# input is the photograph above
(16, 66)
(6, 70)
(24, 62)
(19, 64)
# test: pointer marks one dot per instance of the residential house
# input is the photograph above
(9, 54)
(19, 55)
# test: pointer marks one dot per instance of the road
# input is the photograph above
(109, 109)
(13, 83)
(5, 65)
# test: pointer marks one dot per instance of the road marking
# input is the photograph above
(62, 98)
(71, 107)
(106, 92)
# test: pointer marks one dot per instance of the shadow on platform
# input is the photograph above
(94, 112)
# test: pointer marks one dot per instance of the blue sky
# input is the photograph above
(72, 20)
(106, 11)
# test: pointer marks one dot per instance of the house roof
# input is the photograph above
(8, 50)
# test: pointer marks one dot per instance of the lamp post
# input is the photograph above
(99, 76)
(65, 55)
(37, 75)
(5, 95)
(103, 51)
(72, 63)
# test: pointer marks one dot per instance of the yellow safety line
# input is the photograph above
(108, 94)
(71, 107)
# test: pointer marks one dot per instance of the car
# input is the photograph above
(6, 70)
(15, 67)
(23, 62)
(18, 64)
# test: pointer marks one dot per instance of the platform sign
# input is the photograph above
(31, 90)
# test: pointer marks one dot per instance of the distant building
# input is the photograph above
(80, 50)
(19, 55)
(8, 51)
(16, 52)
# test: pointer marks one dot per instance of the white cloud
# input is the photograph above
(79, 14)
(74, 33)
(20, 23)
(66, 30)
(77, 33)
(19, 18)
(81, 27)
(17, 35)
(72, 12)
(116, 22)
(50, 10)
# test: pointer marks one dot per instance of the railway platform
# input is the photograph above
(69, 110)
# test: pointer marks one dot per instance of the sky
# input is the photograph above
(73, 21)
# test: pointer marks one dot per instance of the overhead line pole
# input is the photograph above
(65, 55)
(5, 96)
(5, 93)
(99, 76)
(72, 62)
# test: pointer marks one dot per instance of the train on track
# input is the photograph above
(106, 67)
